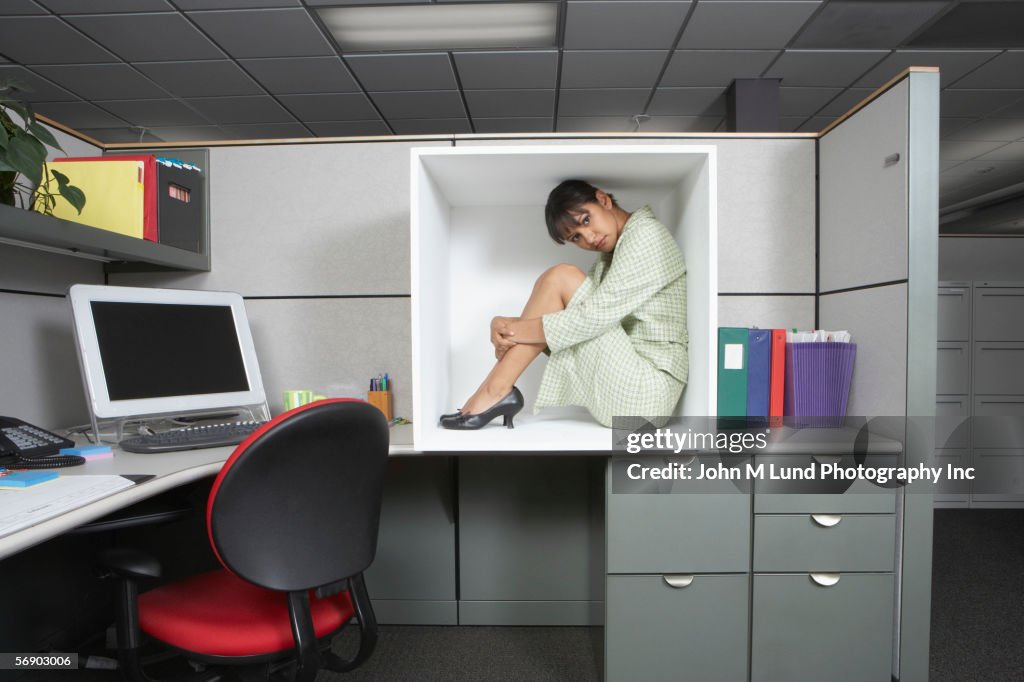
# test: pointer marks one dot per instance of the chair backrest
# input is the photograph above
(297, 505)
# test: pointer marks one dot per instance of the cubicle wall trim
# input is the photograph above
(862, 287)
(323, 296)
(22, 292)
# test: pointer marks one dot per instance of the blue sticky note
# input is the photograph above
(86, 450)
(25, 479)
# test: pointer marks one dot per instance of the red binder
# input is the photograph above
(777, 380)
(147, 179)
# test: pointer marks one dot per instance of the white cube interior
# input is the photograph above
(479, 243)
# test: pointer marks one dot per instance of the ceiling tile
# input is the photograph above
(97, 6)
(235, 4)
(330, 107)
(804, 101)
(266, 131)
(513, 70)
(386, 73)
(47, 40)
(38, 89)
(1011, 152)
(853, 24)
(349, 128)
(977, 25)
(440, 104)
(621, 69)
(976, 103)
(190, 133)
(715, 67)
(610, 102)
(680, 124)
(846, 101)
(102, 81)
(513, 125)
(301, 75)
(823, 67)
(688, 102)
(990, 129)
(595, 124)
(264, 33)
(965, 150)
(1005, 71)
(148, 37)
(201, 78)
(949, 126)
(952, 65)
(78, 115)
(19, 7)
(1014, 110)
(446, 126)
(761, 24)
(154, 112)
(630, 25)
(223, 110)
(119, 135)
(815, 124)
(789, 124)
(511, 103)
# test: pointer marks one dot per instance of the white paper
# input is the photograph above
(733, 356)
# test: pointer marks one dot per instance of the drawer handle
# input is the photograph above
(827, 520)
(678, 581)
(825, 579)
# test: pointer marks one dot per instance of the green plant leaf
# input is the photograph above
(4, 166)
(74, 195)
(44, 135)
(4, 137)
(26, 154)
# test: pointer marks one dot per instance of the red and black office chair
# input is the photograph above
(293, 518)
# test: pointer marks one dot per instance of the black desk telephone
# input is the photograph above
(23, 446)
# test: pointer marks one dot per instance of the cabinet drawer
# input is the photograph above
(998, 422)
(654, 631)
(998, 368)
(954, 314)
(998, 314)
(859, 496)
(677, 530)
(957, 459)
(803, 631)
(999, 475)
(953, 369)
(952, 423)
(824, 542)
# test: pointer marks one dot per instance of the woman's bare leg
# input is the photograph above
(551, 293)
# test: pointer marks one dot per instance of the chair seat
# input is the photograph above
(219, 614)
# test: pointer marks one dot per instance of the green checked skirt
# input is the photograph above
(607, 376)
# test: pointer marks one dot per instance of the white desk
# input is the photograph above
(169, 470)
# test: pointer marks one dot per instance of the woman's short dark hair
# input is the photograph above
(565, 199)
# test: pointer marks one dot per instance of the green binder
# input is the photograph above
(732, 371)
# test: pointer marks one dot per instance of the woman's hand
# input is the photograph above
(501, 335)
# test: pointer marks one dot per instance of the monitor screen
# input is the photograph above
(162, 351)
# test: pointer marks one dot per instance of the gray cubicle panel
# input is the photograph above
(878, 277)
(39, 365)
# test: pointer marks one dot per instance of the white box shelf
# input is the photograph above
(479, 243)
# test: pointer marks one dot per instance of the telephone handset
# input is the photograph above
(23, 446)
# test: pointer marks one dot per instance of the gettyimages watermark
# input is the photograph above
(863, 455)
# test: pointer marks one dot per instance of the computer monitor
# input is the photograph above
(147, 352)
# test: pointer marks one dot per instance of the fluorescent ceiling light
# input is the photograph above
(443, 27)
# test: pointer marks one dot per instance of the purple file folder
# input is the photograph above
(818, 378)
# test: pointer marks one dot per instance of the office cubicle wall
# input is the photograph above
(42, 384)
(878, 276)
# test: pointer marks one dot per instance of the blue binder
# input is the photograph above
(759, 363)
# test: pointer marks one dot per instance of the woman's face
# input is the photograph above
(597, 225)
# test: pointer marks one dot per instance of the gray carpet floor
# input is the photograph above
(977, 630)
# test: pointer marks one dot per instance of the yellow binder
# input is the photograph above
(115, 193)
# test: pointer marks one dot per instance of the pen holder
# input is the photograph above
(382, 401)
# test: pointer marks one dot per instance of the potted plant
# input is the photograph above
(23, 143)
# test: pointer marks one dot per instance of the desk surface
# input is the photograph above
(169, 469)
(173, 469)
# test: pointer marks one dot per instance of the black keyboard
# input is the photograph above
(192, 437)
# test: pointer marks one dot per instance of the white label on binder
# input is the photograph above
(734, 356)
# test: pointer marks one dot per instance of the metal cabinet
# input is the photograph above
(677, 627)
(808, 627)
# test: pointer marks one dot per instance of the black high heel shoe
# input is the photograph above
(508, 407)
